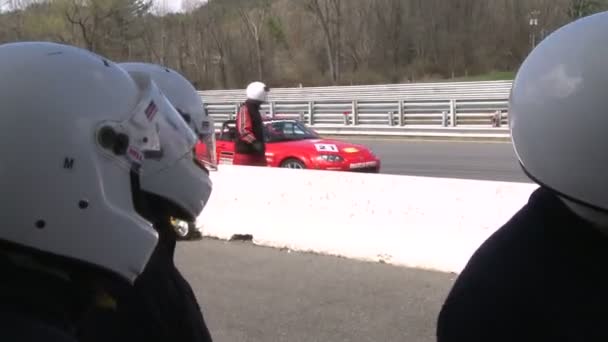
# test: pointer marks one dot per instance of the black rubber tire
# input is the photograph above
(290, 162)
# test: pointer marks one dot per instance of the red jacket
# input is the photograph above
(250, 127)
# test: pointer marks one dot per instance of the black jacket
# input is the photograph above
(42, 300)
(543, 276)
(161, 306)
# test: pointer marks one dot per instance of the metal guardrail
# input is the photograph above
(466, 108)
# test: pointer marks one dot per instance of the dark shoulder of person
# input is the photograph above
(155, 308)
(39, 299)
(16, 327)
(521, 283)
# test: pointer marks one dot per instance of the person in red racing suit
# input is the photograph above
(250, 147)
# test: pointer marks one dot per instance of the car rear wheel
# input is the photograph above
(293, 163)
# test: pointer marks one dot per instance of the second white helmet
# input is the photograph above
(188, 187)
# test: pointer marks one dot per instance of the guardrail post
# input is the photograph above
(444, 119)
(232, 116)
(497, 118)
(271, 109)
(354, 113)
(453, 112)
(301, 115)
(311, 110)
(400, 119)
(346, 119)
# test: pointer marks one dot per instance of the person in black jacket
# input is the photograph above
(250, 146)
(543, 275)
(162, 305)
(70, 177)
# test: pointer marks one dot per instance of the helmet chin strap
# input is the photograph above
(30, 262)
(254, 101)
(596, 217)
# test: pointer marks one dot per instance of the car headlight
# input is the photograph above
(332, 158)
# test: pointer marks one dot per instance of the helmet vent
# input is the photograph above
(40, 224)
(83, 204)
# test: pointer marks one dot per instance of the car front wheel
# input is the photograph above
(293, 163)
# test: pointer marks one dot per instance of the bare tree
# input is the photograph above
(255, 19)
(311, 42)
(219, 40)
(328, 14)
(191, 5)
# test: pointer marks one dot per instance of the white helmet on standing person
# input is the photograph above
(557, 115)
(75, 128)
(190, 197)
(257, 91)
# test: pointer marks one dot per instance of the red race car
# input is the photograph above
(291, 144)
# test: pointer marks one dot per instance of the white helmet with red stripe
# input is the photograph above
(69, 155)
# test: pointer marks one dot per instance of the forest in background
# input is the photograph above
(224, 44)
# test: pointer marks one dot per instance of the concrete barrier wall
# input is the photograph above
(430, 223)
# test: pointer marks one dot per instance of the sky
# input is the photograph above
(173, 5)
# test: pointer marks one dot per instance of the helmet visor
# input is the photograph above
(204, 127)
(205, 151)
(154, 130)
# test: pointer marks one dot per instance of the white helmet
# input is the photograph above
(188, 187)
(74, 127)
(257, 91)
(556, 112)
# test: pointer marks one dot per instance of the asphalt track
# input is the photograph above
(250, 294)
(453, 159)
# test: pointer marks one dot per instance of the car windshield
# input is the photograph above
(288, 131)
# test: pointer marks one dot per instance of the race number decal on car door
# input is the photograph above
(326, 147)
